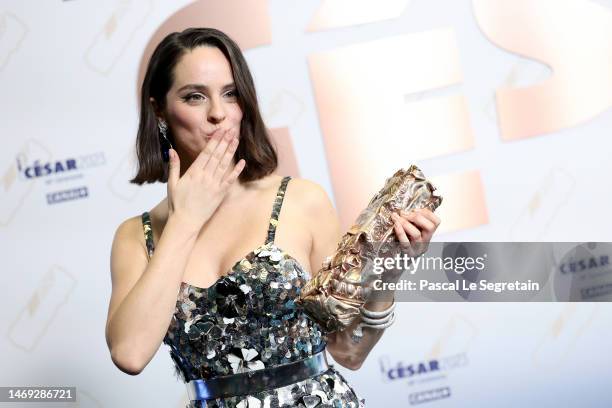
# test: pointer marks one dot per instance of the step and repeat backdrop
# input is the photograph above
(505, 105)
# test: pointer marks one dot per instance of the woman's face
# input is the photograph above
(202, 99)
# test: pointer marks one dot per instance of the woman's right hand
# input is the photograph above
(195, 196)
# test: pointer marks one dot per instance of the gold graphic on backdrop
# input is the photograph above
(465, 191)
(15, 186)
(343, 13)
(43, 306)
(573, 37)
(12, 33)
(561, 336)
(369, 130)
(521, 74)
(114, 37)
(542, 207)
(457, 337)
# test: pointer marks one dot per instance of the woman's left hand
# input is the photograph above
(417, 226)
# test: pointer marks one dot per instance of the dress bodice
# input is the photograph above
(247, 320)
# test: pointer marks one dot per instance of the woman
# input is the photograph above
(235, 335)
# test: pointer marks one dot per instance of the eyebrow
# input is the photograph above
(204, 87)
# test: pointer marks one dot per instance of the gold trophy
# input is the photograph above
(334, 295)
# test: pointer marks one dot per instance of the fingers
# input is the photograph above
(399, 230)
(400, 233)
(204, 155)
(216, 156)
(233, 175)
(426, 220)
(418, 226)
(228, 155)
(419, 219)
(427, 213)
(407, 228)
(173, 171)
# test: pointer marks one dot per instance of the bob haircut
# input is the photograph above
(255, 146)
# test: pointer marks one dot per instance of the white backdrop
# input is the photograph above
(530, 167)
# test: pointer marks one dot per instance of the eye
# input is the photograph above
(194, 97)
(232, 93)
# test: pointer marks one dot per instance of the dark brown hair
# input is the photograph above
(254, 147)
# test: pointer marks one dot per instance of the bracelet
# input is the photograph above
(375, 320)
(358, 331)
(381, 325)
(375, 315)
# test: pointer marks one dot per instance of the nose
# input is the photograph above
(216, 113)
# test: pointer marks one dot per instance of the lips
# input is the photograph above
(211, 133)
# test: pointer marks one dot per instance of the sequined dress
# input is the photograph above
(247, 320)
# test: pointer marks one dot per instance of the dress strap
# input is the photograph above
(148, 233)
(278, 203)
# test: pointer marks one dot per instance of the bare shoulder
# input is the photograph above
(312, 197)
(130, 225)
(130, 232)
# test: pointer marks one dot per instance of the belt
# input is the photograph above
(258, 380)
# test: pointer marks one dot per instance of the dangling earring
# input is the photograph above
(165, 143)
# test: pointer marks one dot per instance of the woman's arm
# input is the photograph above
(417, 226)
(144, 293)
(326, 235)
